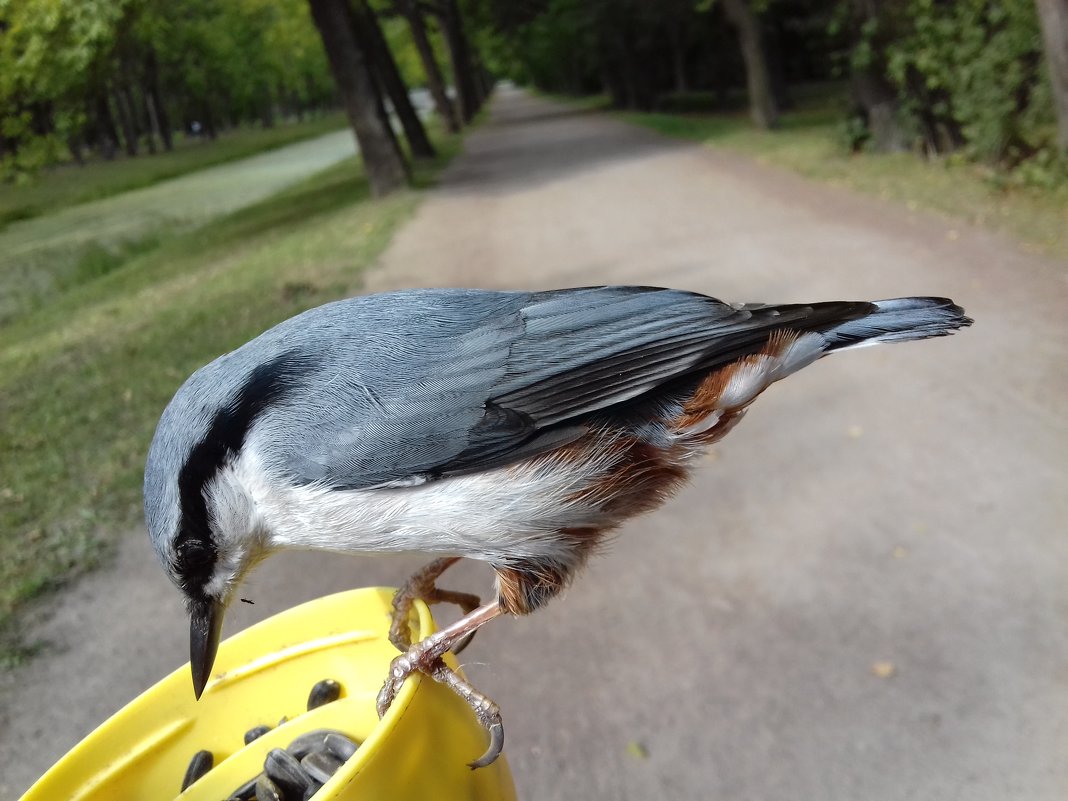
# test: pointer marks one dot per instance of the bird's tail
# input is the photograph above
(897, 320)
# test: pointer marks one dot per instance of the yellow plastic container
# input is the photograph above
(419, 750)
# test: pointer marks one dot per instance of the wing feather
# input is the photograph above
(522, 372)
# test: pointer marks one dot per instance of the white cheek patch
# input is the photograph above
(236, 527)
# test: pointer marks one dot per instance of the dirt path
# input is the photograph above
(902, 505)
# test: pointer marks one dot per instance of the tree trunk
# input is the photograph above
(1053, 15)
(266, 106)
(126, 120)
(636, 78)
(145, 118)
(74, 145)
(483, 82)
(879, 101)
(460, 57)
(383, 162)
(435, 82)
(153, 117)
(758, 78)
(211, 129)
(374, 43)
(155, 101)
(780, 88)
(108, 136)
(677, 39)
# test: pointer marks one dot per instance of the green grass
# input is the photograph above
(68, 185)
(85, 377)
(809, 143)
(43, 257)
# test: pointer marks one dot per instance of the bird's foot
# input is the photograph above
(426, 657)
(486, 710)
(420, 587)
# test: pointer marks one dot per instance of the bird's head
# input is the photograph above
(201, 520)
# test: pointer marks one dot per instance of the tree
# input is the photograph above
(872, 25)
(49, 52)
(409, 9)
(969, 76)
(762, 105)
(374, 44)
(1054, 18)
(460, 56)
(383, 162)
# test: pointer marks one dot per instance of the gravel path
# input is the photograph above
(861, 596)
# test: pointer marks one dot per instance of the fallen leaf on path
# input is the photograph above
(637, 750)
(883, 670)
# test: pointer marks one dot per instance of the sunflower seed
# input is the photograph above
(286, 772)
(255, 733)
(303, 745)
(246, 792)
(340, 746)
(311, 791)
(320, 765)
(324, 692)
(200, 764)
(267, 790)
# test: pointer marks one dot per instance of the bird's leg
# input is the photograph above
(421, 587)
(486, 710)
(425, 657)
(467, 601)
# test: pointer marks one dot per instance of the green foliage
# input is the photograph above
(970, 73)
(84, 72)
(399, 38)
(557, 49)
(47, 50)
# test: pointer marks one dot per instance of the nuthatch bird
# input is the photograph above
(517, 428)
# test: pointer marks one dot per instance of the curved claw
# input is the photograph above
(496, 746)
(385, 699)
(426, 657)
(399, 669)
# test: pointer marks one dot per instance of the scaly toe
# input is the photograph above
(399, 670)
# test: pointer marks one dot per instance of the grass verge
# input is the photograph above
(69, 184)
(809, 143)
(85, 378)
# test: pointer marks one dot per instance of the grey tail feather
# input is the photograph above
(898, 320)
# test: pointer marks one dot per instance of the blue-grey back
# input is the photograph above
(400, 385)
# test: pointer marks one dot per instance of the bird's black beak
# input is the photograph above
(205, 625)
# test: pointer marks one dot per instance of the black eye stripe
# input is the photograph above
(195, 551)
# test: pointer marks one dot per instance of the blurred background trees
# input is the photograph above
(98, 78)
(109, 75)
(987, 79)
(935, 76)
